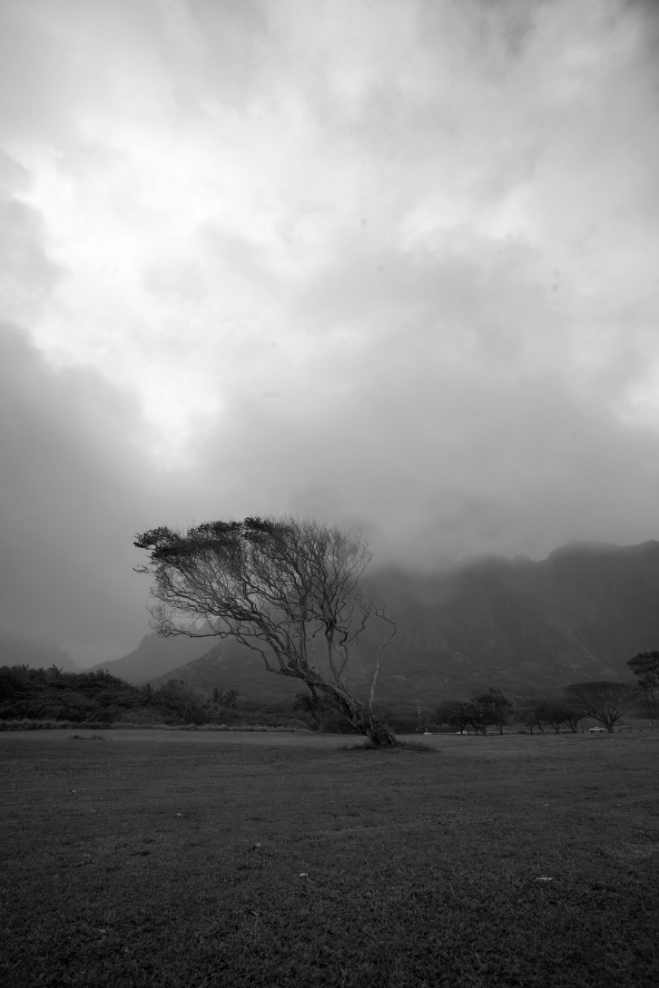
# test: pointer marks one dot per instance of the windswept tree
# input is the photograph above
(290, 590)
(645, 667)
(605, 701)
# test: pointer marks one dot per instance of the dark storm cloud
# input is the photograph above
(391, 265)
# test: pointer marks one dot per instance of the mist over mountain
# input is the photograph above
(16, 650)
(154, 656)
(518, 625)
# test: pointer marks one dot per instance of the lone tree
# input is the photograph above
(607, 702)
(279, 586)
(645, 667)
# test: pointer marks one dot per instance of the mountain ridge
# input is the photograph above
(523, 626)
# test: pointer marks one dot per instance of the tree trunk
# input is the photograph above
(360, 716)
(365, 721)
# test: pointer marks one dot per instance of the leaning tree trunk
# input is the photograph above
(359, 714)
(365, 721)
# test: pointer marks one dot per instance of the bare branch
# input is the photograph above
(384, 617)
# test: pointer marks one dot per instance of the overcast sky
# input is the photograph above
(391, 263)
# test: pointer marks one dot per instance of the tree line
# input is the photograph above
(51, 694)
(604, 701)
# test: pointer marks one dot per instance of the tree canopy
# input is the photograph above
(291, 590)
(645, 667)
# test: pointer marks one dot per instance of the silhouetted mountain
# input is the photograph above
(520, 626)
(19, 651)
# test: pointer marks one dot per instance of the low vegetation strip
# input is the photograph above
(63, 725)
(518, 862)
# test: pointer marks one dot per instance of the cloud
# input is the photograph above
(76, 484)
(388, 264)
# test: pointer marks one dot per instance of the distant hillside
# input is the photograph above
(518, 625)
(228, 666)
(155, 656)
(522, 626)
(20, 651)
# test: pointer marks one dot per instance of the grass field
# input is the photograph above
(199, 859)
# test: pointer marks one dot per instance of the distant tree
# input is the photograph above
(529, 716)
(178, 700)
(605, 701)
(277, 586)
(317, 707)
(455, 713)
(572, 717)
(490, 709)
(645, 667)
(478, 716)
(229, 699)
(147, 694)
(557, 713)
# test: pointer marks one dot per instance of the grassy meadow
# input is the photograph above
(148, 858)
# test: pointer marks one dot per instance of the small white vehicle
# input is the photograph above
(597, 730)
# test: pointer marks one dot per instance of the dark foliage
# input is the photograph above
(319, 709)
(51, 694)
(490, 709)
(558, 713)
(483, 711)
(605, 701)
(455, 713)
(645, 667)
